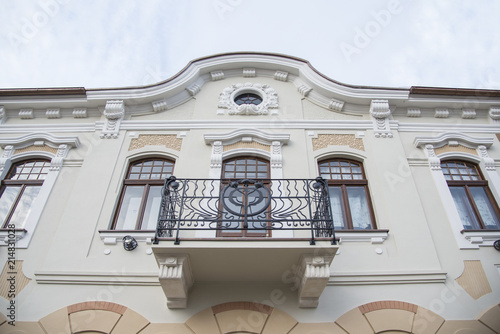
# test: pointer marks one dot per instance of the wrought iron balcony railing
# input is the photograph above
(248, 208)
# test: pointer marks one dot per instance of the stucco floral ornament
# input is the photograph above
(268, 95)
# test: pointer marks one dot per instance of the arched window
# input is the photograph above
(20, 189)
(349, 196)
(141, 194)
(244, 214)
(473, 199)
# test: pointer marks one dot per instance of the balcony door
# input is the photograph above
(245, 198)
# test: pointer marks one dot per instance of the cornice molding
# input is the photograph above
(453, 139)
(237, 135)
(50, 140)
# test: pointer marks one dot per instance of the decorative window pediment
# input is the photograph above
(234, 99)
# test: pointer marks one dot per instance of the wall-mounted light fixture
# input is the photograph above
(496, 244)
(129, 242)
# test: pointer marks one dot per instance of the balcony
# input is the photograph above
(244, 231)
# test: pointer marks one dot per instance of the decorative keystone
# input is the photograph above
(114, 113)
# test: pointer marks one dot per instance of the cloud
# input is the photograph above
(126, 43)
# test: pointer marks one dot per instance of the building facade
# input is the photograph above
(249, 193)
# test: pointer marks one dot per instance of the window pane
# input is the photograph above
(8, 197)
(485, 208)
(360, 212)
(152, 208)
(24, 206)
(337, 204)
(469, 219)
(130, 207)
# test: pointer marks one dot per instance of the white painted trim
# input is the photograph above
(107, 278)
(481, 238)
(370, 278)
(374, 237)
(450, 137)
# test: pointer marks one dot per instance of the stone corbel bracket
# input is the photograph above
(314, 274)
(114, 113)
(380, 112)
(176, 278)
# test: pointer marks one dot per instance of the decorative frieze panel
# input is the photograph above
(325, 140)
(380, 112)
(267, 94)
(247, 145)
(169, 141)
(114, 113)
(455, 147)
(37, 147)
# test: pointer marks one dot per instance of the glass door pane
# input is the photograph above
(465, 211)
(485, 208)
(24, 206)
(360, 211)
(131, 204)
(8, 197)
(337, 203)
(152, 208)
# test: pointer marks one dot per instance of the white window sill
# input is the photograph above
(112, 237)
(481, 237)
(371, 236)
(6, 235)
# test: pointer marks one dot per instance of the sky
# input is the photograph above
(120, 43)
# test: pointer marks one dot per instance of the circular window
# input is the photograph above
(248, 98)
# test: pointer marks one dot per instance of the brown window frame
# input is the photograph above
(146, 182)
(344, 184)
(457, 180)
(243, 233)
(11, 181)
